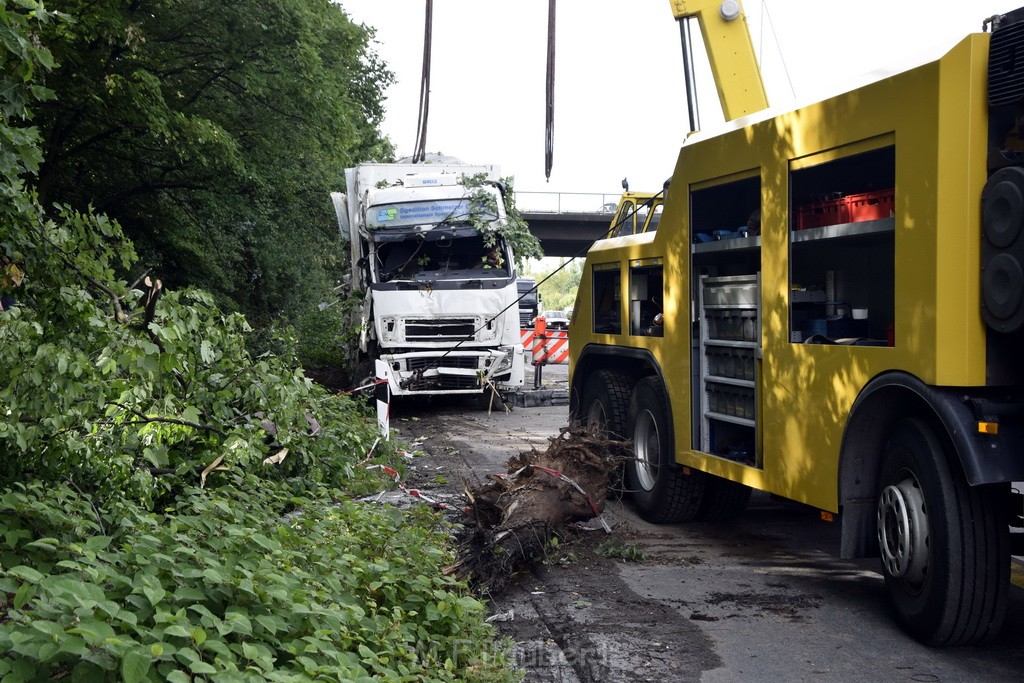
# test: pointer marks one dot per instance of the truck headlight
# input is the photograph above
(504, 361)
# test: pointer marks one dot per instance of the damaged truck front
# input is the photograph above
(437, 276)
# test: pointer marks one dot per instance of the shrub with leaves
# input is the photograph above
(118, 402)
(108, 385)
(226, 586)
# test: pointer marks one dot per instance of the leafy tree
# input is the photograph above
(212, 132)
(104, 386)
(558, 292)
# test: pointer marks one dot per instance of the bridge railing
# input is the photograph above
(566, 202)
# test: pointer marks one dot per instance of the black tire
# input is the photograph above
(488, 399)
(724, 500)
(944, 544)
(604, 409)
(604, 403)
(365, 373)
(662, 492)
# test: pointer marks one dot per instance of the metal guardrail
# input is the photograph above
(566, 202)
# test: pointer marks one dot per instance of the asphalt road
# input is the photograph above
(764, 598)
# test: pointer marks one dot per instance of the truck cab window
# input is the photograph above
(607, 299)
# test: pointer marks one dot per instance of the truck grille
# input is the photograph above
(435, 383)
(440, 329)
(469, 362)
(1006, 61)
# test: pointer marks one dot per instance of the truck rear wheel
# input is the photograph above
(604, 403)
(604, 409)
(944, 546)
(662, 492)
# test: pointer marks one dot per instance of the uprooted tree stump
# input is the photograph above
(513, 517)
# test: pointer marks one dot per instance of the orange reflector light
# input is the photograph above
(827, 516)
(988, 427)
(686, 471)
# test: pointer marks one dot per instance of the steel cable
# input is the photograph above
(420, 147)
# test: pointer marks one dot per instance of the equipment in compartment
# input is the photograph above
(729, 341)
(851, 208)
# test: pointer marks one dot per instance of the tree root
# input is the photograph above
(513, 518)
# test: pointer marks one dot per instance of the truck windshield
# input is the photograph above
(440, 254)
(426, 212)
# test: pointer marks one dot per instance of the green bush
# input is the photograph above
(119, 403)
(241, 583)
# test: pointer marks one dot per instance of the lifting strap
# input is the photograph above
(420, 148)
(549, 108)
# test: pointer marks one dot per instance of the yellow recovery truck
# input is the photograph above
(831, 310)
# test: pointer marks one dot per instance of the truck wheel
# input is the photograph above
(490, 400)
(944, 547)
(724, 500)
(604, 409)
(662, 492)
(604, 404)
(365, 373)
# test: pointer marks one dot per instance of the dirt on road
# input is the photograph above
(571, 617)
(762, 598)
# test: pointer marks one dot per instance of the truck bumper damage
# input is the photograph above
(422, 373)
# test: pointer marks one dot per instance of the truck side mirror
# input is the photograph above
(340, 202)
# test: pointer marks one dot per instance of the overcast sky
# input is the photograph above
(619, 102)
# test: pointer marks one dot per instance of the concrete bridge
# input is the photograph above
(567, 223)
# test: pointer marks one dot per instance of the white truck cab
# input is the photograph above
(440, 304)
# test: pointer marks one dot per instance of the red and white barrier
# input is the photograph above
(555, 343)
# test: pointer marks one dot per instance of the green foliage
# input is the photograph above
(22, 61)
(115, 399)
(103, 390)
(236, 585)
(513, 229)
(559, 291)
(326, 336)
(624, 551)
(212, 132)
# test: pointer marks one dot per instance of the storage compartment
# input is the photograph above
(732, 324)
(725, 225)
(646, 298)
(730, 363)
(729, 335)
(843, 259)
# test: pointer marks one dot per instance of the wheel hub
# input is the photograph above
(596, 419)
(903, 531)
(647, 443)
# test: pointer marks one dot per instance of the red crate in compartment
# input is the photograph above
(870, 206)
(818, 214)
(853, 208)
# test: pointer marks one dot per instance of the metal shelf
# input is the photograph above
(730, 380)
(735, 244)
(730, 418)
(732, 344)
(861, 228)
(741, 295)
